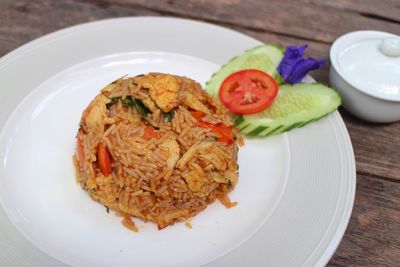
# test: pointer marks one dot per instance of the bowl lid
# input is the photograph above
(370, 62)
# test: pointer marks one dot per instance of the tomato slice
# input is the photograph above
(248, 91)
(80, 153)
(224, 132)
(104, 159)
(149, 133)
(198, 115)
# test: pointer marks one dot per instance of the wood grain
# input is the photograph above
(24, 20)
(388, 10)
(372, 238)
(322, 23)
(373, 235)
(376, 147)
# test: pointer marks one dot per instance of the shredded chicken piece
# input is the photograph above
(232, 176)
(216, 157)
(215, 160)
(191, 152)
(188, 224)
(171, 216)
(96, 114)
(211, 119)
(196, 181)
(128, 223)
(194, 103)
(173, 152)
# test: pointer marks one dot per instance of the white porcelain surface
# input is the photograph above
(390, 46)
(366, 76)
(295, 193)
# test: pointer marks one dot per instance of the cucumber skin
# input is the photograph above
(213, 84)
(260, 127)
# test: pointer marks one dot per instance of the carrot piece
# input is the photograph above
(104, 159)
(150, 133)
(197, 115)
(80, 153)
(224, 132)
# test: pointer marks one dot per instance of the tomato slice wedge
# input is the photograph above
(224, 132)
(198, 115)
(248, 91)
(150, 133)
(80, 153)
(104, 159)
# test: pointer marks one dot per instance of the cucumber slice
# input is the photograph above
(295, 106)
(263, 57)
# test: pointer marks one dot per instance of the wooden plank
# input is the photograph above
(373, 235)
(376, 146)
(388, 10)
(303, 20)
(23, 21)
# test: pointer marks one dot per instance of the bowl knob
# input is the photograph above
(390, 46)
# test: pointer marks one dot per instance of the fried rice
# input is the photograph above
(156, 147)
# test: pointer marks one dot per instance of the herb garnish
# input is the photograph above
(140, 107)
(168, 116)
(229, 183)
(128, 101)
(143, 111)
(293, 67)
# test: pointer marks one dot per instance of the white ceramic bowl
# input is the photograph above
(366, 72)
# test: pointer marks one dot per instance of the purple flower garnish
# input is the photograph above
(293, 67)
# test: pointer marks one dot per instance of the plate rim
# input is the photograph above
(341, 228)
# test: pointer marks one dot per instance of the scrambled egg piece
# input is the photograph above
(163, 89)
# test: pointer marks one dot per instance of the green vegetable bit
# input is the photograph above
(168, 116)
(141, 108)
(237, 119)
(229, 183)
(143, 111)
(128, 101)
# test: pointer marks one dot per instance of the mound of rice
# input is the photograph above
(156, 147)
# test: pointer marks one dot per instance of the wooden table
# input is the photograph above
(373, 235)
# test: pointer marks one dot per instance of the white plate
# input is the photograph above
(295, 191)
